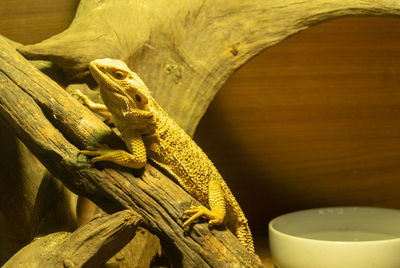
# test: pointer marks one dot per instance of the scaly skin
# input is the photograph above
(149, 132)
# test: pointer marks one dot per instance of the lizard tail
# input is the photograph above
(243, 234)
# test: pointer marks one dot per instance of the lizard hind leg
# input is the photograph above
(217, 203)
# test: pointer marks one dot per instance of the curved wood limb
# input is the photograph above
(186, 50)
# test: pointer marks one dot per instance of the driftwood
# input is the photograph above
(139, 253)
(185, 50)
(89, 246)
(54, 208)
(54, 126)
(19, 181)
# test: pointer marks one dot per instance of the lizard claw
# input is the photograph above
(105, 153)
(101, 152)
(98, 147)
(187, 212)
(198, 212)
(77, 93)
(95, 150)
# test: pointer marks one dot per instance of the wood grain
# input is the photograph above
(30, 21)
(186, 50)
(313, 121)
(54, 125)
(27, 22)
(89, 246)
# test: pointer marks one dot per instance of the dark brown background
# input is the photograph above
(313, 121)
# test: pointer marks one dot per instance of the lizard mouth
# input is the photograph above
(106, 82)
(102, 77)
(96, 72)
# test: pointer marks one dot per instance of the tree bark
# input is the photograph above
(139, 253)
(54, 126)
(20, 178)
(186, 50)
(55, 208)
(89, 246)
(29, 205)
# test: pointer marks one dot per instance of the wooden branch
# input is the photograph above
(29, 205)
(90, 246)
(53, 124)
(54, 209)
(140, 252)
(186, 50)
(20, 178)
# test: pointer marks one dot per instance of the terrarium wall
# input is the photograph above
(313, 121)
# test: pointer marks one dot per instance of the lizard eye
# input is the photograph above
(138, 98)
(119, 75)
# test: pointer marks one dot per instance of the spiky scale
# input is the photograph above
(148, 131)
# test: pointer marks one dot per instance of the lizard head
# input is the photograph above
(119, 84)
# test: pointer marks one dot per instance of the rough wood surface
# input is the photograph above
(186, 50)
(325, 130)
(151, 52)
(54, 209)
(89, 246)
(28, 207)
(138, 253)
(54, 125)
(20, 177)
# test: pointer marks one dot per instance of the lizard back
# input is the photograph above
(175, 151)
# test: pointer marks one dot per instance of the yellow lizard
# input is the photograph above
(149, 132)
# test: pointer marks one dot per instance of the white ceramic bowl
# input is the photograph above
(339, 237)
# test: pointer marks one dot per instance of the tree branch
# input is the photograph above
(53, 125)
(186, 50)
(90, 246)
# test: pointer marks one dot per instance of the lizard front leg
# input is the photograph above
(217, 203)
(97, 108)
(136, 158)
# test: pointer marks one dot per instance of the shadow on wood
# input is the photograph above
(185, 50)
(54, 125)
(90, 246)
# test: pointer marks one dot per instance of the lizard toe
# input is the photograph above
(90, 152)
(197, 212)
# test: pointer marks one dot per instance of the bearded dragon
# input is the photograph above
(149, 132)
